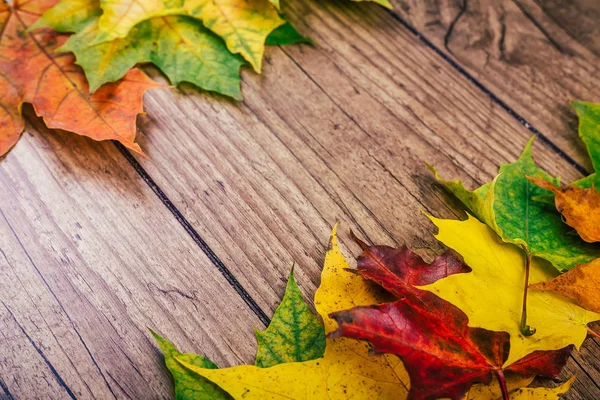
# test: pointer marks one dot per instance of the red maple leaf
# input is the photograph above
(441, 353)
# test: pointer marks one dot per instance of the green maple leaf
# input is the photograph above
(179, 46)
(508, 205)
(295, 334)
(188, 385)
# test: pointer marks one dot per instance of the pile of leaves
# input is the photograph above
(75, 60)
(508, 302)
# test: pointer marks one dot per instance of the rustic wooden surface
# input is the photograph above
(197, 241)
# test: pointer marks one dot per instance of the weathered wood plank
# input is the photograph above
(336, 132)
(536, 55)
(89, 258)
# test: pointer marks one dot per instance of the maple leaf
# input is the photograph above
(442, 355)
(579, 285)
(543, 393)
(580, 208)
(34, 71)
(508, 206)
(490, 295)
(188, 385)
(347, 369)
(243, 25)
(180, 46)
(294, 334)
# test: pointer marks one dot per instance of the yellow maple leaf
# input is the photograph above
(243, 24)
(491, 294)
(543, 393)
(347, 370)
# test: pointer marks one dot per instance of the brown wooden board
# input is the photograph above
(198, 239)
(535, 56)
(89, 259)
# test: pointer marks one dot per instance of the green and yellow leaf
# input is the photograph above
(347, 370)
(243, 25)
(294, 334)
(510, 207)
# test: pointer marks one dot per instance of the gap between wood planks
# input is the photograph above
(216, 261)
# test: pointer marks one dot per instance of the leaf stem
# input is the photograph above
(526, 330)
(593, 333)
(502, 382)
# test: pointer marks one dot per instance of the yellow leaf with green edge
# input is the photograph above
(542, 393)
(347, 370)
(276, 4)
(294, 334)
(188, 385)
(180, 46)
(491, 294)
(243, 24)
(510, 206)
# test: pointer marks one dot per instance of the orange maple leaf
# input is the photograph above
(33, 71)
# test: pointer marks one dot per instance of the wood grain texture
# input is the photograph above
(89, 258)
(338, 132)
(535, 55)
(335, 132)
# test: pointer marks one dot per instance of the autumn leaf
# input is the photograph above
(347, 370)
(508, 206)
(580, 285)
(69, 15)
(491, 294)
(543, 393)
(442, 355)
(294, 334)
(180, 46)
(579, 207)
(243, 25)
(188, 385)
(34, 71)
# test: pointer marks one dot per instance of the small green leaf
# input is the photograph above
(285, 35)
(589, 132)
(189, 385)
(294, 334)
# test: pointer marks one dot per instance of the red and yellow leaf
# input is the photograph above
(444, 357)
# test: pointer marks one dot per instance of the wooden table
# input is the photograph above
(197, 240)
